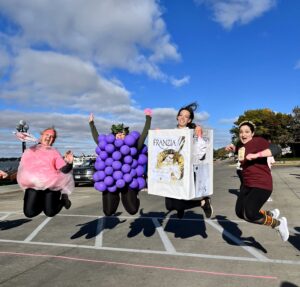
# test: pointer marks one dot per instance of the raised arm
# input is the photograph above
(144, 134)
(94, 131)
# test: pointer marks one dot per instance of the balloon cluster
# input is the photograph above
(119, 163)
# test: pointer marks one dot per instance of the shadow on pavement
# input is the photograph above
(145, 225)
(187, 228)
(295, 239)
(234, 191)
(89, 229)
(287, 284)
(234, 230)
(8, 224)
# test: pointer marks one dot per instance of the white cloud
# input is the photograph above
(115, 34)
(231, 12)
(49, 79)
(180, 82)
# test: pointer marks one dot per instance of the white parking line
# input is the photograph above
(99, 232)
(221, 257)
(163, 236)
(37, 230)
(5, 216)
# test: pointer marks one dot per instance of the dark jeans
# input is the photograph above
(250, 201)
(129, 197)
(36, 201)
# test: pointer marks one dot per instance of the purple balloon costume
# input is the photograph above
(120, 166)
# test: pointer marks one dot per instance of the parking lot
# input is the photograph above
(81, 246)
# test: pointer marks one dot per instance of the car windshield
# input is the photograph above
(88, 163)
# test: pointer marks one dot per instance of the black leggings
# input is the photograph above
(36, 201)
(250, 201)
(129, 197)
(181, 204)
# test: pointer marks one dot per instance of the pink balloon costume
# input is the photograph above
(39, 170)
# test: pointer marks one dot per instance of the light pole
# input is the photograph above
(22, 127)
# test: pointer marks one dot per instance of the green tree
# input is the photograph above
(295, 126)
(276, 125)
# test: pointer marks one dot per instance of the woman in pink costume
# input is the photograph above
(45, 177)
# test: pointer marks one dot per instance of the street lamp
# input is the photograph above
(22, 127)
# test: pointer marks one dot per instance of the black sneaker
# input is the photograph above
(66, 202)
(180, 213)
(207, 208)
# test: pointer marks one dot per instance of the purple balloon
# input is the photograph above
(128, 159)
(117, 174)
(144, 149)
(99, 165)
(110, 148)
(134, 163)
(116, 165)
(134, 184)
(139, 170)
(133, 151)
(129, 140)
(110, 138)
(100, 186)
(103, 155)
(142, 182)
(102, 144)
(126, 168)
(99, 175)
(116, 155)
(125, 149)
(108, 170)
(133, 172)
(109, 161)
(118, 143)
(109, 181)
(127, 177)
(142, 159)
(97, 150)
(120, 183)
(101, 137)
(112, 188)
(135, 134)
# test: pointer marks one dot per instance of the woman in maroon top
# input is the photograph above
(257, 180)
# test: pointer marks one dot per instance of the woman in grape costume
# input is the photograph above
(124, 186)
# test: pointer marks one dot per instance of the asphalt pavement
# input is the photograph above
(82, 247)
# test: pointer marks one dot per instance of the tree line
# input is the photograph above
(282, 129)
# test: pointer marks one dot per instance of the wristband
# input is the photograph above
(260, 154)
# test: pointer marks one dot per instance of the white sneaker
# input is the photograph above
(270, 199)
(282, 228)
(275, 213)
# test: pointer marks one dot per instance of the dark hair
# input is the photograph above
(191, 108)
(250, 124)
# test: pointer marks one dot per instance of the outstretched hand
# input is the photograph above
(198, 131)
(148, 112)
(69, 157)
(91, 118)
(3, 174)
(230, 147)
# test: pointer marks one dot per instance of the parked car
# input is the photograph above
(84, 172)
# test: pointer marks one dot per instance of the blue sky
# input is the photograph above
(61, 60)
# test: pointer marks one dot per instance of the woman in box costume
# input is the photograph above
(120, 165)
(45, 177)
(185, 118)
(257, 180)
